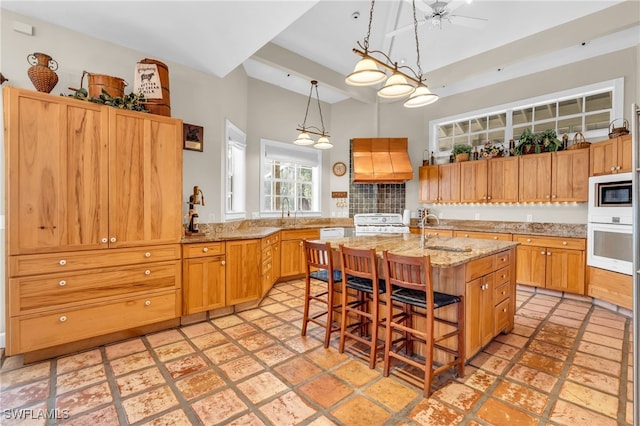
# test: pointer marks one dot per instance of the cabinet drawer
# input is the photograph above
(501, 292)
(202, 249)
(437, 232)
(267, 253)
(32, 264)
(556, 242)
(271, 239)
(503, 275)
(501, 316)
(48, 292)
(64, 326)
(482, 235)
(503, 259)
(300, 234)
(479, 267)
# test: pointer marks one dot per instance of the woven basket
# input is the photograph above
(579, 142)
(614, 132)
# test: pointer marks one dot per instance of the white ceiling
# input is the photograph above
(289, 42)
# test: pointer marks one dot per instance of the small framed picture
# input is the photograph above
(193, 137)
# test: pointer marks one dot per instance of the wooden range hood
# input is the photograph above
(381, 160)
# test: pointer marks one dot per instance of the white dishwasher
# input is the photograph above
(326, 233)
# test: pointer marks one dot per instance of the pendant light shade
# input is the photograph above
(303, 139)
(396, 86)
(420, 97)
(365, 73)
(323, 143)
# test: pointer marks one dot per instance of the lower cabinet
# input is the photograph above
(551, 262)
(270, 261)
(243, 271)
(61, 298)
(292, 261)
(610, 286)
(483, 235)
(437, 232)
(203, 269)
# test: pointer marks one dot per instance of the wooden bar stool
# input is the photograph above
(319, 266)
(360, 276)
(410, 285)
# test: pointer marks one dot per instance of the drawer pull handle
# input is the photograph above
(63, 318)
(62, 262)
(113, 239)
(147, 303)
(223, 263)
(548, 253)
(495, 238)
(104, 240)
(466, 235)
(504, 292)
(147, 254)
(503, 276)
(504, 309)
(564, 243)
(542, 252)
(502, 259)
(206, 249)
(147, 272)
(62, 283)
(528, 240)
(613, 168)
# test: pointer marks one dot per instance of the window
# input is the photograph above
(235, 176)
(290, 179)
(588, 109)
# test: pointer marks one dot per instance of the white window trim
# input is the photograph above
(617, 109)
(233, 135)
(264, 143)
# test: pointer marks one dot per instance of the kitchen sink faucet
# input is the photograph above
(425, 222)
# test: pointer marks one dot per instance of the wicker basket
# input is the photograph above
(614, 132)
(579, 142)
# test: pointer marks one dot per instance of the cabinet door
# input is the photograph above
(565, 270)
(624, 154)
(531, 265)
(57, 160)
(204, 284)
(145, 181)
(243, 271)
(479, 314)
(292, 258)
(535, 177)
(449, 185)
(502, 182)
(604, 157)
(428, 191)
(473, 175)
(570, 175)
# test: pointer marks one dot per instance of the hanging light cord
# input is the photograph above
(415, 29)
(304, 122)
(304, 127)
(319, 109)
(366, 39)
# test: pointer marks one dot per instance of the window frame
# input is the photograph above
(316, 179)
(616, 86)
(236, 138)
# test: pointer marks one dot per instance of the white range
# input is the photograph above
(379, 223)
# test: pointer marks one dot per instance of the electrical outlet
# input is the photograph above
(529, 218)
(476, 216)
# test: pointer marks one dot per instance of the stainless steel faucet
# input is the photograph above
(425, 222)
(427, 216)
(285, 200)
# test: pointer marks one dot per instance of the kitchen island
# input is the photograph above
(482, 271)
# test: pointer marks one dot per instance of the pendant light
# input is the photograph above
(400, 84)
(303, 137)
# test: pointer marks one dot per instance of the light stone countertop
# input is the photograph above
(436, 247)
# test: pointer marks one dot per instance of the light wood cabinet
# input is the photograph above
(483, 235)
(554, 176)
(292, 262)
(551, 262)
(429, 183)
(502, 180)
(611, 156)
(270, 261)
(203, 269)
(449, 183)
(535, 177)
(94, 219)
(473, 175)
(480, 313)
(436, 232)
(243, 271)
(610, 286)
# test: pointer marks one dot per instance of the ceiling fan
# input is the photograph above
(439, 12)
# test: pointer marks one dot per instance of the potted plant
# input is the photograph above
(491, 149)
(549, 140)
(527, 143)
(461, 152)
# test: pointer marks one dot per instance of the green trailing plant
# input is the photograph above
(549, 140)
(530, 142)
(461, 149)
(527, 140)
(132, 101)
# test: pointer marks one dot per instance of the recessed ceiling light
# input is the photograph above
(355, 15)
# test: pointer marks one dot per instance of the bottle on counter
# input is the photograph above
(475, 152)
(433, 159)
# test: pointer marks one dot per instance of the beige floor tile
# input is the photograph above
(297, 370)
(80, 378)
(566, 413)
(249, 419)
(287, 409)
(590, 398)
(223, 353)
(209, 340)
(303, 344)
(499, 413)
(605, 331)
(125, 348)
(501, 350)
(164, 338)
(103, 416)
(239, 331)
(186, 365)
(227, 321)
(554, 351)
(274, 355)
(356, 373)
(252, 314)
(594, 379)
(23, 375)
(597, 363)
(325, 390)
(172, 418)
(600, 339)
(458, 395)
(78, 361)
(262, 387)
(139, 381)
(512, 339)
(607, 322)
(133, 362)
(568, 322)
(85, 399)
(555, 339)
(392, 393)
(570, 314)
(359, 411)
(267, 322)
(284, 331)
(173, 350)
(562, 330)
(240, 368)
(199, 384)
(540, 362)
(601, 351)
(480, 380)
(523, 330)
(219, 407)
(198, 329)
(528, 313)
(26, 394)
(256, 341)
(524, 397)
(327, 358)
(531, 377)
(433, 412)
(149, 403)
(489, 363)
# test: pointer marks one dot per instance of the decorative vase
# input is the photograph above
(42, 72)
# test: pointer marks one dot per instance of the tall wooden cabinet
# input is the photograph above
(94, 213)
(611, 156)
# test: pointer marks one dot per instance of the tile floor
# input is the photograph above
(566, 362)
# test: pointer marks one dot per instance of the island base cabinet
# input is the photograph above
(479, 313)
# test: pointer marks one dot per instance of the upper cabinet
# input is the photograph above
(611, 156)
(440, 183)
(489, 181)
(85, 176)
(429, 182)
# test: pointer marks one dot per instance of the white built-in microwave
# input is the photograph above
(610, 198)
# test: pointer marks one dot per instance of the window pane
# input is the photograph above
(544, 112)
(570, 125)
(522, 116)
(517, 131)
(539, 127)
(463, 140)
(461, 127)
(496, 136)
(598, 102)
(598, 121)
(478, 124)
(570, 107)
(446, 144)
(446, 130)
(497, 121)
(478, 139)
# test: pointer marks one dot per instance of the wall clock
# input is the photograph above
(339, 168)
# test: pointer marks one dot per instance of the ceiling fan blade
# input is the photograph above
(468, 21)
(403, 29)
